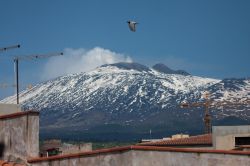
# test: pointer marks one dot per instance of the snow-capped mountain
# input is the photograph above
(164, 69)
(130, 94)
(231, 98)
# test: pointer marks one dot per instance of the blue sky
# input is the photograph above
(206, 38)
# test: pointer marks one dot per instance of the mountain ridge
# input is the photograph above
(163, 68)
(131, 96)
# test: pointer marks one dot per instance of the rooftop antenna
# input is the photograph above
(28, 57)
(3, 49)
(9, 47)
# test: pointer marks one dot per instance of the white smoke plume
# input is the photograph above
(80, 60)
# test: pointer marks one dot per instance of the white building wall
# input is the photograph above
(223, 137)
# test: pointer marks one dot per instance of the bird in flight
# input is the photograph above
(131, 25)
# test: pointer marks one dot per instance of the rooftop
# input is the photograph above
(205, 139)
(142, 148)
(5, 163)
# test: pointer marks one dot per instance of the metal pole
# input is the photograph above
(17, 82)
(9, 47)
(16, 59)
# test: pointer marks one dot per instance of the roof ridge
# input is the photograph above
(6, 163)
(204, 139)
(135, 147)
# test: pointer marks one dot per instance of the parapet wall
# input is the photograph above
(147, 156)
(19, 134)
(224, 136)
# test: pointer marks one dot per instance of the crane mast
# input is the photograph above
(207, 117)
(208, 104)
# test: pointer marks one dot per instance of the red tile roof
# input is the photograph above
(5, 163)
(205, 139)
(144, 148)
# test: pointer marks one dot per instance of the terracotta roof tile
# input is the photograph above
(127, 148)
(5, 163)
(205, 139)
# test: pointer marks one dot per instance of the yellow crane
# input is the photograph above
(208, 104)
(4, 85)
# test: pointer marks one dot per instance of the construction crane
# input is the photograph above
(207, 116)
(4, 85)
(9, 47)
(28, 57)
(208, 104)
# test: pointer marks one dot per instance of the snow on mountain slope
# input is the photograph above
(232, 90)
(129, 93)
(77, 88)
(231, 97)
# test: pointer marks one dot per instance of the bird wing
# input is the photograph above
(132, 26)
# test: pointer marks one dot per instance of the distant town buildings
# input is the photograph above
(19, 139)
(56, 147)
(199, 141)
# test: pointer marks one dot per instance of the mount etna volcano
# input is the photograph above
(127, 100)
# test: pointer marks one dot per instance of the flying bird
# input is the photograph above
(131, 25)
